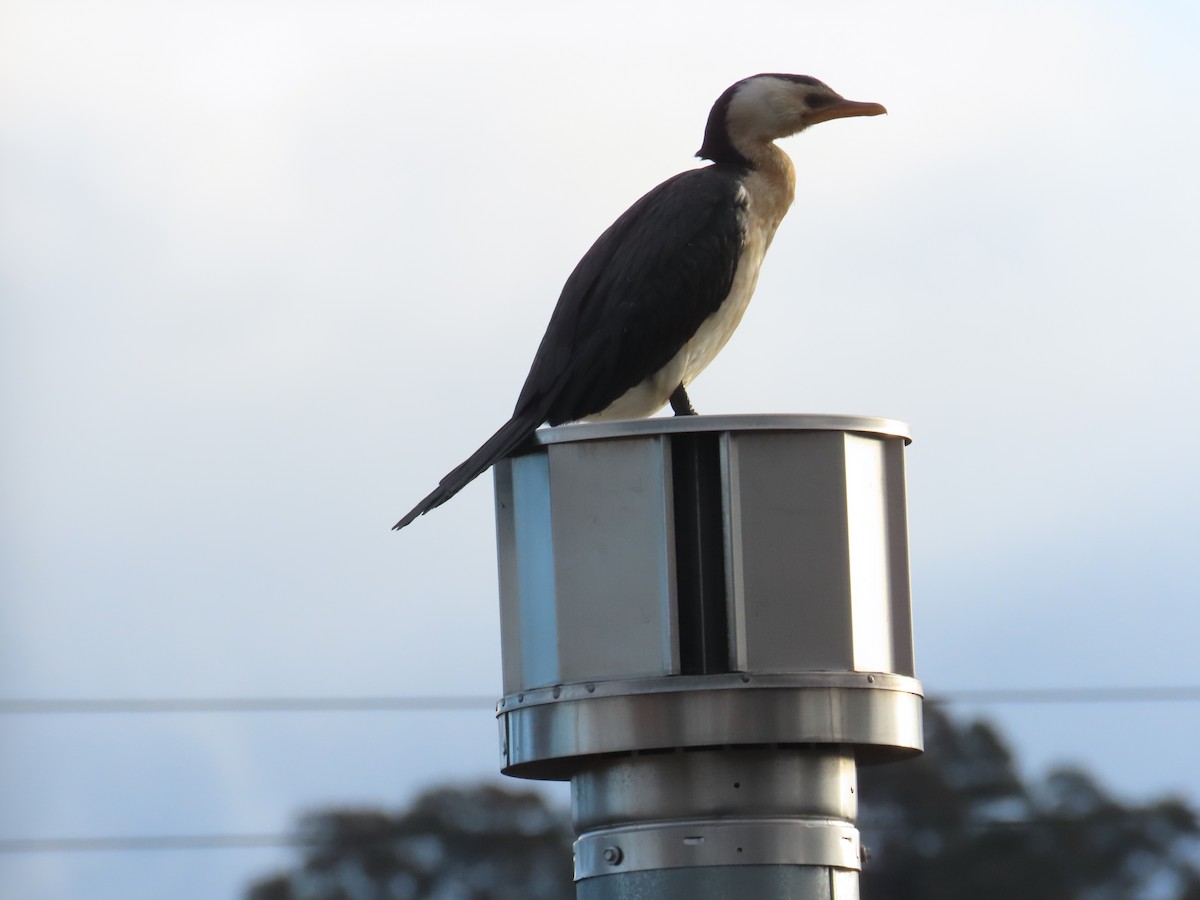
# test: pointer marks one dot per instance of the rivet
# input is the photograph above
(557, 691)
(591, 688)
(613, 855)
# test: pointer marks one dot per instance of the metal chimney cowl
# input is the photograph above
(706, 626)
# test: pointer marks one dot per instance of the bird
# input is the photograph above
(662, 289)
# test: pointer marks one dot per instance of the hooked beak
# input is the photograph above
(843, 109)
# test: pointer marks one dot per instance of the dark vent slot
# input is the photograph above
(700, 554)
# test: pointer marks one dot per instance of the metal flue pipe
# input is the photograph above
(706, 628)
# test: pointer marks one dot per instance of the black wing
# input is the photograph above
(638, 295)
(511, 435)
(635, 298)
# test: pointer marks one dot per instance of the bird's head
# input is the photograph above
(761, 108)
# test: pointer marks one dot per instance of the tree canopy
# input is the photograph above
(479, 842)
(959, 822)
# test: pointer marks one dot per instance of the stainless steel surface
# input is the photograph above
(614, 572)
(708, 784)
(765, 556)
(718, 842)
(525, 550)
(843, 885)
(512, 655)
(895, 489)
(724, 883)
(724, 811)
(730, 681)
(586, 569)
(552, 740)
(591, 431)
(818, 552)
(806, 519)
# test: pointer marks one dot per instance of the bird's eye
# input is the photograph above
(816, 101)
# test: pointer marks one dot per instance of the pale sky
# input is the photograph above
(268, 271)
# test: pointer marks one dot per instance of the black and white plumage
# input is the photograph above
(661, 291)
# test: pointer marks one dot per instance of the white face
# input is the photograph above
(768, 108)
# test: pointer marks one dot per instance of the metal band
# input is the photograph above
(591, 431)
(726, 842)
(731, 681)
(546, 739)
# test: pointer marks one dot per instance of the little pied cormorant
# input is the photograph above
(661, 291)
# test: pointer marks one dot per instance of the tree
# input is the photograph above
(455, 843)
(957, 822)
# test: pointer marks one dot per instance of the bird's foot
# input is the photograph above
(680, 403)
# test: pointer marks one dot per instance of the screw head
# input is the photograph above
(613, 855)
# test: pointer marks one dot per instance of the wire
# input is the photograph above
(150, 842)
(435, 703)
(136, 843)
(1183, 694)
(440, 704)
(245, 704)
(81, 706)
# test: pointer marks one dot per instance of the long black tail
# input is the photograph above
(510, 436)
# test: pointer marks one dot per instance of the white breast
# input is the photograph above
(715, 331)
(767, 194)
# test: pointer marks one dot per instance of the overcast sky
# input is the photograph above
(269, 270)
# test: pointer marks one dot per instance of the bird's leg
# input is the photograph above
(680, 403)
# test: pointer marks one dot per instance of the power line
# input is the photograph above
(1183, 694)
(146, 842)
(151, 842)
(449, 703)
(77, 706)
(133, 843)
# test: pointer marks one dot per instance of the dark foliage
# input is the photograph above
(958, 822)
(458, 843)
